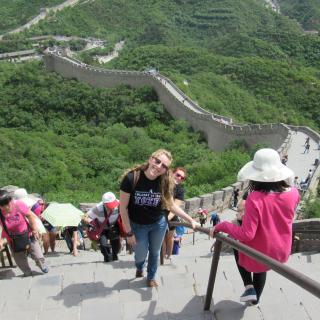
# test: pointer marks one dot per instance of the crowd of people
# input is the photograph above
(151, 194)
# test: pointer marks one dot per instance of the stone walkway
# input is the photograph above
(84, 287)
(301, 162)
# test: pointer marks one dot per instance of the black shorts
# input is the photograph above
(48, 226)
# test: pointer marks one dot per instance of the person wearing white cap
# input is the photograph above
(267, 222)
(107, 209)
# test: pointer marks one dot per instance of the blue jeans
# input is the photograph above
(149, 238)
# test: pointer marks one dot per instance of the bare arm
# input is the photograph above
(124, 202)
(178, 203)
(179, 212)
(33, 224)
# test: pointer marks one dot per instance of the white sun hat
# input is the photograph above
(265, 167)
(22, 194)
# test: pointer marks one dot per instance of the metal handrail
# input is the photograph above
(298, 278)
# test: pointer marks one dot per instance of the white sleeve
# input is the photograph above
(92, 213)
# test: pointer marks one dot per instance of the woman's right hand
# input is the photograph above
(131, 240)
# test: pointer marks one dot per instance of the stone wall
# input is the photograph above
(313, 184)
(306, 241)
(218, 130)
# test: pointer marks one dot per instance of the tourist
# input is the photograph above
(179, 176)
(307, 141)
(235, 197)
(202, 216)
(107, 212)
(284, 159)
(22, 236)
(145, 201)
(49, 237)
(267, 222)
(306, 148)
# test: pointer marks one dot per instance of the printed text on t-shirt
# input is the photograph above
(150, 198)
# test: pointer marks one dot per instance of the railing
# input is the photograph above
(5, 250)
(296, 277)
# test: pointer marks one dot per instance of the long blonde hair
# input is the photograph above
(166, 179)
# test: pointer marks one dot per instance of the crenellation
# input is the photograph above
(227, 196)
(206, 201)
(192, 205)
(217, 200)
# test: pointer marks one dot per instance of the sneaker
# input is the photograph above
(152, 283)
(253, 303)
(115, 257)
(249, 295)
(139, 274)
(43, 267)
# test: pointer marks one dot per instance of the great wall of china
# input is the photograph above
(218, 130)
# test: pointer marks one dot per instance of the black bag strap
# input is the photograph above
(106, 215)
(134, 178)
(4, 224)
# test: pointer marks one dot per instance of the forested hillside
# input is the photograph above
(306, 12)
(250, 89)
(15, 13)
(72, 142)
(239, 58)
(236, 58)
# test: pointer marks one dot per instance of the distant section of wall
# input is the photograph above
(314, 181)
(306, 235)
(218, 130)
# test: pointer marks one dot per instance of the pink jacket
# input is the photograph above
(266, 226)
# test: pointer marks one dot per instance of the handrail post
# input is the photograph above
(213, 273)
(193, 237)
(162, 255)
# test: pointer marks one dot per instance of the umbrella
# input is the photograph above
(62, 215)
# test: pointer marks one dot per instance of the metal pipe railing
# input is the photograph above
(296, 277)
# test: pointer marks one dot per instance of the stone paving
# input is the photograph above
(301, 162)
(84, 287)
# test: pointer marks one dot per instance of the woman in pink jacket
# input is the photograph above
(267, 222)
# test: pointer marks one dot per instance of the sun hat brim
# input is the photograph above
(274, 173)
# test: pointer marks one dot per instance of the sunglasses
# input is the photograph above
(178, 175)
(4, 202)
(158, 161)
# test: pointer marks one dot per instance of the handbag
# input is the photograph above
(95, 229)
(20, 242)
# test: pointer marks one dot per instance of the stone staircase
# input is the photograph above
(84, 287)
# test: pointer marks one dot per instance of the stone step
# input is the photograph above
(77, 287)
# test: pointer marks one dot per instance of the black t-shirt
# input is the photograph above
(145, 200)
(178, 192)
